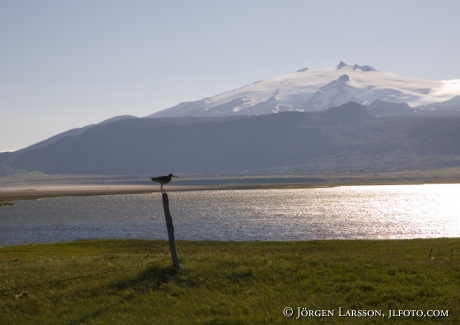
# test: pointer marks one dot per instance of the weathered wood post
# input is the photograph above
(170, 227)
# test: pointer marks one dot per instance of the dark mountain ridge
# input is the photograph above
(342, 136)
(382, 108)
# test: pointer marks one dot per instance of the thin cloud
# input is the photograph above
(448, 89)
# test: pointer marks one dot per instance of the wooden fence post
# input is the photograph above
(170, 227)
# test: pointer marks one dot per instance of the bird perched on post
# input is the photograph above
(163, 180)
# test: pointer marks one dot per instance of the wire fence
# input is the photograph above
(446, 255)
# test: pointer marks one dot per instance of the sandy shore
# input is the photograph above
(17, 193)
(34, 192)
(42, 191)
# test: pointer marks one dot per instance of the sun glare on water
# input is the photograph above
(349, 212)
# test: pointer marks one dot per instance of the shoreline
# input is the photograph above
(29, 192)
(121, 240)
(37, 192)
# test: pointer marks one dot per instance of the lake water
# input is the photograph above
(351, 212)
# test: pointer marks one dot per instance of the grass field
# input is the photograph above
(133, 282)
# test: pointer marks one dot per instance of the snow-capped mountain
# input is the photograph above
(316, 90)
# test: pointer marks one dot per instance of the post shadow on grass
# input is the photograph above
(150, 279)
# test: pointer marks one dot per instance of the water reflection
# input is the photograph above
(364, 212)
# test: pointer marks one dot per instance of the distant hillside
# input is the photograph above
(449, 107)
(382, 108)
(334, 140)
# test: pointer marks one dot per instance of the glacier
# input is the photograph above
(316, 90)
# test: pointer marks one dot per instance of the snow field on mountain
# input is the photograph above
(315, 90)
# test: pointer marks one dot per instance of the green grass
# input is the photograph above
(133, 282)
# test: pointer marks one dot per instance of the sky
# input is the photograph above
(68, 64)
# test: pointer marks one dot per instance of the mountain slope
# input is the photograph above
(448, 107)
(70, 133)
(335, 139)
(315, 90)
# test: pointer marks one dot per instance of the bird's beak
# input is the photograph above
(175, 176)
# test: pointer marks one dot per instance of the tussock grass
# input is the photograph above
(133, 282)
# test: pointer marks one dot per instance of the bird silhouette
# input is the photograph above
(163, 180)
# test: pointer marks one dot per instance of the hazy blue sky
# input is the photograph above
(67, 64)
